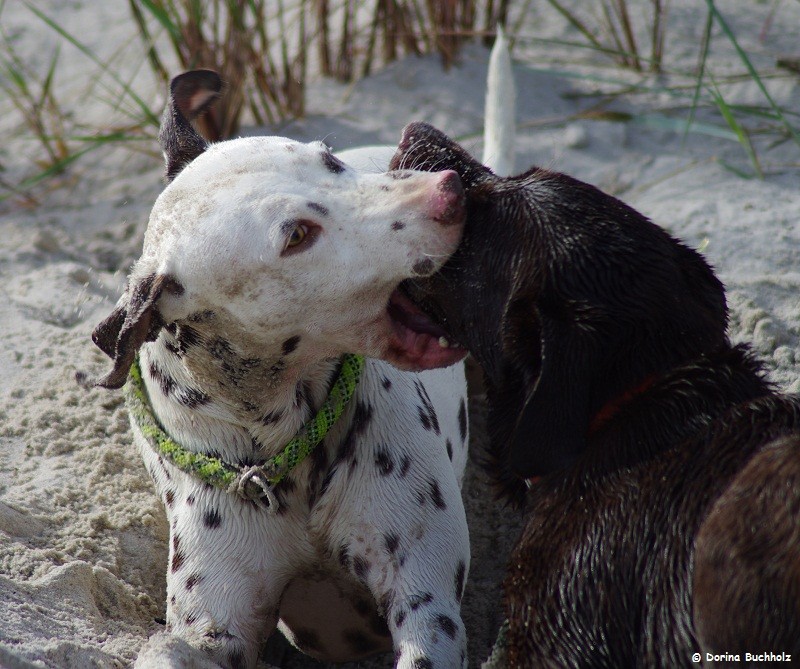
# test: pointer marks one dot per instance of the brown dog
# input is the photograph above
(665, 514)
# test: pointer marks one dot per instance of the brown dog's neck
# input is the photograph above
(664, 410)
(613, 406)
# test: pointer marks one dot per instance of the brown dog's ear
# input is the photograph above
(191, 94)
(551, 430)
(134, 321)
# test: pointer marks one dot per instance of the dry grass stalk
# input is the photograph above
(262, 57)
(620, 40)
(260, 61)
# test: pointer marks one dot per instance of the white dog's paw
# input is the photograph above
(164, 651)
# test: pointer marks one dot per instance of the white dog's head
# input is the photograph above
(280, 241)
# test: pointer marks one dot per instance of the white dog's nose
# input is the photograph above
(448, 203)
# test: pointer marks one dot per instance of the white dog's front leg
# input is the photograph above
(424, 616)
(222, 598)
(413, 555)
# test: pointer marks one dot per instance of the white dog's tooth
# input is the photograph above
(443, 342)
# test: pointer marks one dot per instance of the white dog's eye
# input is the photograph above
(300, 235)
(297, 235)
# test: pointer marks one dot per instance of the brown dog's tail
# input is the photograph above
(499, 126)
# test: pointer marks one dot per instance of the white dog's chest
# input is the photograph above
(373, 498)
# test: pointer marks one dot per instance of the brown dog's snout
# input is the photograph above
(449, 201)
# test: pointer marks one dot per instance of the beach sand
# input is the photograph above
(83, 537)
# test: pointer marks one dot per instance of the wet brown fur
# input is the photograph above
(672, 527)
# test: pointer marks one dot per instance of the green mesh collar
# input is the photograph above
(253, 483)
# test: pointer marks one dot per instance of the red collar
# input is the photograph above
(607, 412)
(612, 407)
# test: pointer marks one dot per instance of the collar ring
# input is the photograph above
(253, 485)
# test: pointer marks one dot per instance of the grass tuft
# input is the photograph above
(265, 51)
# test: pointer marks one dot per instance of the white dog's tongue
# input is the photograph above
(417, 342)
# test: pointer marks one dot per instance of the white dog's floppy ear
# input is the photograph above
(190, 94)
(134, 321)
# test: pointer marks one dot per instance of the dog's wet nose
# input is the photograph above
(449, 202)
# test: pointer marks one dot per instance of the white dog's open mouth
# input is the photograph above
(415, 341)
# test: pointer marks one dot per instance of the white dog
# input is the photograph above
(265, 262)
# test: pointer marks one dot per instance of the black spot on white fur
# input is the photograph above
(436, 494)
(461, 574)
(320, 209)
(384, 461)
(449, 447)
(422, 663)
(447, 625)
(212, 519)
(427, 413)
(192, 581)
(361, 419)
(462, 420)
(319, 470)
(187, 337)
(164, 469)
(272, 417)
(290, 345)
(192, 398)
(333, 164)
(178, 557)
(398, 225)
(415, 601)
(302, 393)
(173, 347)
(165, 382)
(392, 542)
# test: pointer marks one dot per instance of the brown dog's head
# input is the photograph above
(567, 298)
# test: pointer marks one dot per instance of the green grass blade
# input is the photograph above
(705, 45)
(53, 170)
(147, 113)
(47, 84)
(736, 127)
(576, 23)
(751, 69)
(152, 53)
(661, 122)
(736, 170)
(161, 16)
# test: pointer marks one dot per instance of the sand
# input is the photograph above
(83, 538)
